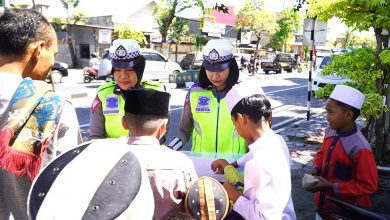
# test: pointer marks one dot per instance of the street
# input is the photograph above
(287, 93)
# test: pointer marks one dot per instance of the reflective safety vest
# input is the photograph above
(214, 130)
(113, 106)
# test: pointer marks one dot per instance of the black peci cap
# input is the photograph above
(147, 102)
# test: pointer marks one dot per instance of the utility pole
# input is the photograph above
(312, 48)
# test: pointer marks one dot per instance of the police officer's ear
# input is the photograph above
(124, 124)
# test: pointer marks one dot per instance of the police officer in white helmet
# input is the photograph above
(107, 109)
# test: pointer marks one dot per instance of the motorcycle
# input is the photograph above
(90, 74)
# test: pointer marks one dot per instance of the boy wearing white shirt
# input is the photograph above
(267, 178)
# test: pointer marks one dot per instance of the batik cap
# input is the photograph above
(124, 53)
(242, 90)
(217, 54)
(206, 199)
(348, 95)
(102, 179)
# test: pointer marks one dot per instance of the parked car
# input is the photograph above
(320, 81)
(58, 70)
(157, 66)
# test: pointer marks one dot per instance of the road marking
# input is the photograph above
(279, 108)
(282, 90)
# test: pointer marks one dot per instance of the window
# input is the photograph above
(156, 57)
(84, 51)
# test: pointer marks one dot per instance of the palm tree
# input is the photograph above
(67, 4)
(199, 41)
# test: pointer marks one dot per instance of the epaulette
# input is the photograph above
(106, 86)
(151, 82)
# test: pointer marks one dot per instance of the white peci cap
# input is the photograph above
(217, 54)
(242, 90)
(124, 53)
(348, 95)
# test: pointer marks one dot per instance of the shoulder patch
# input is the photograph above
(107, 85)
(96, 102)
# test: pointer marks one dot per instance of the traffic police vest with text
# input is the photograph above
(213, 131)
(113, 106)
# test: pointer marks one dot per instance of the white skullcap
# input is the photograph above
(240, 91)
(348, 95)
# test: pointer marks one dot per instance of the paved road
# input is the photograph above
(287, 92)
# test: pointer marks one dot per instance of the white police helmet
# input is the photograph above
(217, 55)
(124, 53)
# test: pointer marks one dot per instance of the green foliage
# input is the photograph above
(166, 12)
(252, 16)
(59, 24)
(127, 32)
(79, 17)
(324, 92)
(288, 24)
(178, 30)
(199, 41)
(385, 57)
(361, 14)
(373, 106)
(359, 66)
(364, 41)
(67, 4)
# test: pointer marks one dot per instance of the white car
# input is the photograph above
(157, 66)
(320, 81)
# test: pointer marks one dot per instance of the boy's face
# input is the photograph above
(239, 124)
(337, 117)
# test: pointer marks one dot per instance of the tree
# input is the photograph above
(364, 15)
(166, 12)
(288, 24)
(127, 32)
(177, 31)
(349, 36)
(252, 16)
(70, 5)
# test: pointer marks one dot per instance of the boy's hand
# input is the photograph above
(322, 185)
(219, 165)
(232, 192)
(315, 171)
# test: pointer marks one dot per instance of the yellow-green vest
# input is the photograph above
(113, 119)
(214, 130)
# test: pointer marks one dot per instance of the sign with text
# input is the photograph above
(105, 36)
(319, 32)
(214, 29)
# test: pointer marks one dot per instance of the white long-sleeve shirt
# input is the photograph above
(267, 181)
(248, 156)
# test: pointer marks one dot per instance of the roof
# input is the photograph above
(225, 18)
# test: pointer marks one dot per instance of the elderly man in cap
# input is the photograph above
(205, 114)
(128, 65)
(170, 172)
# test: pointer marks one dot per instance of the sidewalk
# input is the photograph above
(304, 139)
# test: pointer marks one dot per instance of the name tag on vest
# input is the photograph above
(112, 105)
(203, 104)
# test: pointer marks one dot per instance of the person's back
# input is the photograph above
(38, 130)
(94, 62)
(170, 172)
(267, 178)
